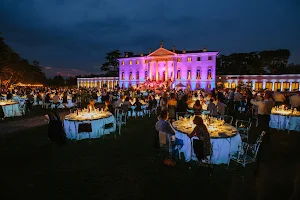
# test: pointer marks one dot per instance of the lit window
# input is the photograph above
(130, 62)
(258, 86)
(209, 57)
(189, 74)
(130, 76)
(226, 85)
(277, 86)
(137, 75)
(209, 74)
(198, 75)
(146, 61)
(286, 86)
(269, 85)
(189, 59)
(178, 74)
(198, 58)
(122, 63)
(295, 86)
(146, 75)
(137, 62)
(249, 84)
(123, 76)
(233, 85)
(178, 60)
(208, 86)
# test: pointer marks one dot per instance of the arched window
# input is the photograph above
(178, 74)
(137, 75)
(198, 75)
(189, 75)
(130, 75)
(209, 74)
(146, 75)
(123, 76)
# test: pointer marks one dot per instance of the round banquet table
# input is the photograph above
(222, 143)
(285, 122)
(11, 109)
(98, 126)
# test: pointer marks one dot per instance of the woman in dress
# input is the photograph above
(202, 146)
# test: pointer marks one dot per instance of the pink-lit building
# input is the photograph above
(194, 69)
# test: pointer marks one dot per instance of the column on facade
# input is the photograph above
(273, 85)
(150, 70)
(264, 84)
(156, 71)
(167, 71)
(174, 70)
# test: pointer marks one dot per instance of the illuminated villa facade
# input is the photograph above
(193, 69)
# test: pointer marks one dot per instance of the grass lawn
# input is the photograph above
(109, 168)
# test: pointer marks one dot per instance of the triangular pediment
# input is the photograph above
(162, 52)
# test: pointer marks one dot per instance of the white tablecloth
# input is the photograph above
(221, 147)
(133, 113)
(98, 128)
(11, 110)
(283, 122)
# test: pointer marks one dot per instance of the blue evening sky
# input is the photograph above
(72, 36)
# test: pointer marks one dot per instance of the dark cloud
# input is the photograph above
(69, 34)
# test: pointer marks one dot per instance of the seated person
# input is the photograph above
(197, 108)
(202, 147)
(91, 105)
(212, 108)
(108, 107)
(164, 128)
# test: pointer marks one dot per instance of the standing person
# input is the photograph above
(221, 108)
(163, 102)
(172, 103)
(295, 101)
(264, 111)
(237, 99)
(278, 97)
(212, 108)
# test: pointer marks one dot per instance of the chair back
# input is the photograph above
(228, 119)
(182, 114)
(124, 107)
(85, 128)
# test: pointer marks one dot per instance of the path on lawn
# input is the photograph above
(8, 127)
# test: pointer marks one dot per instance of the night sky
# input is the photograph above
(72, 36)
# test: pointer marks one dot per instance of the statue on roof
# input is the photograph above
(162, 44)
